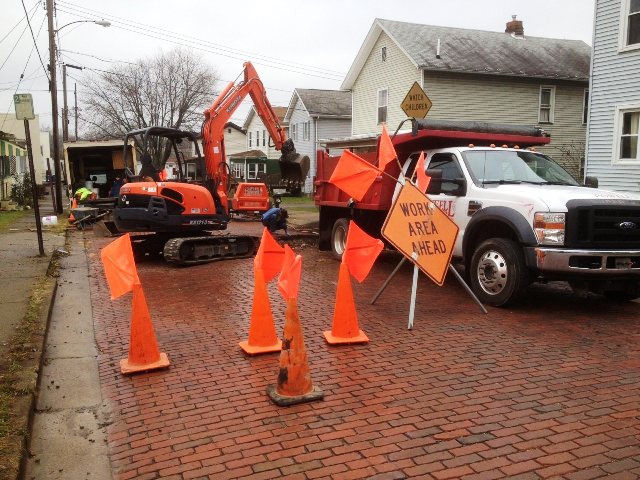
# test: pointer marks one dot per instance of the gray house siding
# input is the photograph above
(615, 83)
(304, 147)
(513, 101)
(320, 127)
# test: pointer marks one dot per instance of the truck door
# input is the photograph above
(448, 193)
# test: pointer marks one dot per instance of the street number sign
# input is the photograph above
(422, 232)
(24, 106)
(416, 104)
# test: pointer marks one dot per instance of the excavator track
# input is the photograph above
(188, 251)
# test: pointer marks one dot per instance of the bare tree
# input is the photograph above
(169, 90)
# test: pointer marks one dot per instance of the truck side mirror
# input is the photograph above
(435, 185)
(591, 182)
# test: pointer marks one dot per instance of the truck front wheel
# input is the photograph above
(498, 272)
(339, 237)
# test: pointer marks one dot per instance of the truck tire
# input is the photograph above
(498, 272)
(339, 237)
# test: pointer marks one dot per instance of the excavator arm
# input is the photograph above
(294, 168)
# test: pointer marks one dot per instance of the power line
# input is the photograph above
(25, 66)
(226, 48)
(19, 22)
(165, 37)
(35, 44)
(15, 44)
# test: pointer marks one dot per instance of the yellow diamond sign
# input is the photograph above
(416, 104)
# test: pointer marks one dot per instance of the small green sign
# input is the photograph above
(24, 106)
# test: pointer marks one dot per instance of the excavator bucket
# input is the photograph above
(294, 167)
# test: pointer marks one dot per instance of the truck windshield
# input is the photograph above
(497, 167)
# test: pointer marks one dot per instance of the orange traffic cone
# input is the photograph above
(262, 329)
(294, 380)
(345, 319)
(144, 353)
(74, 204)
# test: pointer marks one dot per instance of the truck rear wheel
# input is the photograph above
(498, 272)
(339, 237)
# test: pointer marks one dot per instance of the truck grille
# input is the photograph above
(603, 224)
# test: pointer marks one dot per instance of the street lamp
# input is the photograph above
(54, 97)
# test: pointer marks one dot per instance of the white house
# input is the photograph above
(614, 111)
(504, 77)
(315, 115)
(258, 137)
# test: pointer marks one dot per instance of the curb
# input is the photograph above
(26, 439)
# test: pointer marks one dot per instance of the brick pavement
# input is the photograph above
(546, 390)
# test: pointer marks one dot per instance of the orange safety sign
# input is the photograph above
(422, 232)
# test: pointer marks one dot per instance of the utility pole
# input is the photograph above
(75, 96)
(65, 111)
(53, 87)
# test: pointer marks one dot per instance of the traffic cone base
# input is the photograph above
(333, 340)
(256, 350)
(285, 400)
(127, 368)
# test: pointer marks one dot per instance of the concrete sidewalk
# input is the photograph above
(23, 275)
(68, 440)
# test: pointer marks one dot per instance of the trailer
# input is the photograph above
(96, 164)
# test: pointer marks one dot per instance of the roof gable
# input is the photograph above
(480, 52)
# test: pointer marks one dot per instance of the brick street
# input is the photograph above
(547, 389)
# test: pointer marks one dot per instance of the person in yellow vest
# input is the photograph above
(84, 194)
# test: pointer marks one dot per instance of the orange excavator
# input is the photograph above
(182, 212)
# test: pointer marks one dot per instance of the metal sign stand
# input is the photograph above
(414, 289)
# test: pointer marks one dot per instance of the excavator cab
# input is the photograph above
(162, 140)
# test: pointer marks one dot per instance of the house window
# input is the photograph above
(236, 170)
(294, 131)
(632, 22)
(628, 126)
(264, 136)
(249, 139)
(306, 130)
(257, 138)
(585, 106)
(383, 100)
(255, 169)
(228, 130)
(383, 54)
(547, 101)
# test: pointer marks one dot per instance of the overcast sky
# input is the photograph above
(304, 44)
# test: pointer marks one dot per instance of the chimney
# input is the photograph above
(515, 27)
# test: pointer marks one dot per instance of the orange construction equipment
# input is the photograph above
(74, 204)
(122, 277)
(345, 319)
(144, 353)
(294, 380)
(262, 330)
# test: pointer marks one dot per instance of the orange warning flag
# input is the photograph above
(119, 266)
(353, 175)
(361, 252)
(290, 275)
(422, 177)
(269, 257)
(386, 152)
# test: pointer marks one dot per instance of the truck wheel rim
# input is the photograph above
(492, 272)
(339, 241)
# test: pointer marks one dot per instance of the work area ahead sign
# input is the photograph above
(422, 232)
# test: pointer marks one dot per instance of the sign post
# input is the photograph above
(24, 111)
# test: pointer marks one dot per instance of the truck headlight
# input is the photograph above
(549, 228)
